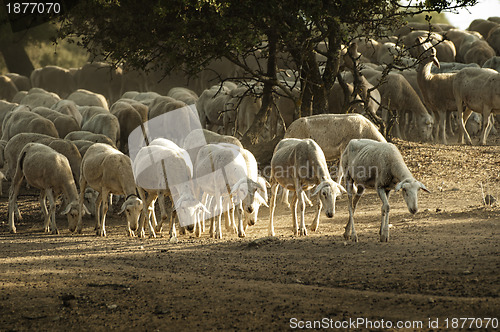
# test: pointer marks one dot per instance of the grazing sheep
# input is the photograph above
(142, 109)
(68, 107)
(211, 106)
(333, 142)
(5, 108)
(172, 118)
(22, 82)
(222, 173)
(21, 120)
(150, 165)
(89, 136)
(437, 89)
(300, 165)
(39, 97)
(83, 97)
(54, 79)
(183, 94)
(494, 39)
(18, 97)
(445, 49)
(101, 78)
(128, 119)
(7, 88)
(102, 123)
(198, 138)
(493, 63)
(108, 171)
(50, 172)
(63, 123)
(370, 164)
(83, 145)
(18, 142)
(479, 90)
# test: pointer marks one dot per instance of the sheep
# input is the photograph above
(198, 138)
(102, 123)
(54, 79)
(16, 144)
(211, 106)
(300, 165)
(479, 90)
(437, 89)
(7, 88)
(108, 171)
(333, 142)
(83, 145)
(367, 163)
(68, 107)
(482, 26)
(142, 109)
(63, 123)
(172, 118)
(221, 172)
(39, 97)
(101, 78)
(128, 119)
(18, 97)
(89, 136)
(493, 39)
(22, 82)
(398, 94)
(183, 94)
(445, 49)
(5, 108)
(21, 120)
(493, 63)
(150, 165)
(50, 172)
(83, 97)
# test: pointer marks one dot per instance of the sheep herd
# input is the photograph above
(95, 132)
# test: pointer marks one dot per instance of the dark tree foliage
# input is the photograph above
(256, 35)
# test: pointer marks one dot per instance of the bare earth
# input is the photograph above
(441, 263)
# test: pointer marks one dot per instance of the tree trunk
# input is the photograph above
(16, 59)
(263, 151)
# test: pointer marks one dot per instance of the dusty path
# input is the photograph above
(441, 263)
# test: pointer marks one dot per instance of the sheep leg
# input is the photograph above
(52, 211)
(148, 211)
(239, 213)
(315, 224)
(350, 232)
(284, 197)
(83, 185)
(272, 206)
(105, 205)
(98, 212)
(145, 213)
(449, 122)
(172, 233)
(487, 124)
(384, 226)
(461, 123)
(218, 225)
(442, 127)
(45, 213)
(302, 206)
(13, 192)
(294, 214)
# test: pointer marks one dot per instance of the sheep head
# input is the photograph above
(72, 212)
(132, 208)
(410, 189)
(328, 191)
(188, 209)
(245, 190)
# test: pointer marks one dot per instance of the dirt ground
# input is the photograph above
(439, 265)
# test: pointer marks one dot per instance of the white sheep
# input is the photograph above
(54, 79)
(128, 118)
(101, 78)
(183, 94)
(142, 109)
(163, 169)
(221, 172)
(100, 121)
(108, 171)
(299, 165)
(64, 123)
(83, 97)
(7, 88)
(437, 89)
(332, 132)
(15, 145)
(479, 90)
(211, 106)
(50, 172)
(68, 107)
(89, 136)
(367, 163)
(22, 82)
(21, 120)
(39, 97)
(198, 138)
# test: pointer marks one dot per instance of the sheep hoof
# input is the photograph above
(241, 235)
(13, 231)
(271, 233)
(303, 232)
(384, 237)
(314, 227)
(55, 232)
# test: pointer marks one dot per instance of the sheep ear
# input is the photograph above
(66, 210)
(398, 186)
(261, 199)
(436, 62)
(202, 207)
(237, 185)
(85, 210)
(424, 188)
(122, 208)
(318, 188)
(341, 188)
